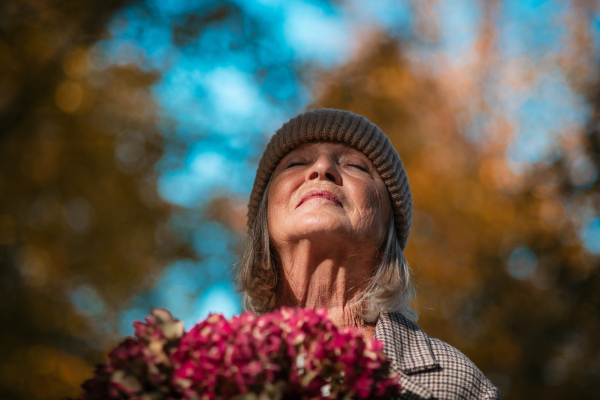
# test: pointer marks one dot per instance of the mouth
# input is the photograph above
(322, 194)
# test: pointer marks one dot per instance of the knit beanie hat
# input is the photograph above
(329, 125)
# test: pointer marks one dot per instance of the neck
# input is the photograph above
(328, 277)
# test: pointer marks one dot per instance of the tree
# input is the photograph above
(81, 224)
(500, 270)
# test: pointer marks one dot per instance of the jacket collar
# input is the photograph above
(408, 348)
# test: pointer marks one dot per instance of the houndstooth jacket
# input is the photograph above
(428, 367)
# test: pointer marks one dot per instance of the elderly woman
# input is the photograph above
(329, 219)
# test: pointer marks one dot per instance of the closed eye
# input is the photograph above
(359, 167)
(294, 163)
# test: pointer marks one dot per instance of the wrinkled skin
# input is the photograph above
(328, 215)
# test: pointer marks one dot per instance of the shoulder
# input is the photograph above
(429, 367)
(457, 375)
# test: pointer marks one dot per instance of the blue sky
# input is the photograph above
(215, 102)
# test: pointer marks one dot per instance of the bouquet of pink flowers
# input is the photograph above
(286, 354)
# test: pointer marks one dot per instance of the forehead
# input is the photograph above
(326, 147)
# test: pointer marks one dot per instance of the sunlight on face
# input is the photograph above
(327, 191)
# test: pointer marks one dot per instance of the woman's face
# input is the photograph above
(327, 191)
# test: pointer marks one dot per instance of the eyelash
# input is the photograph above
(294, 163)
(359, 167)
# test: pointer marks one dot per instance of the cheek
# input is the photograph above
(280, 192)
(273, 205)
(372, 199)
(274, 218)
(278, 198)
(375, 210)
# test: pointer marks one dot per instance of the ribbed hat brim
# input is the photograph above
(331, 125)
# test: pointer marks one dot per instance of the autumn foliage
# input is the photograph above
(505, 255)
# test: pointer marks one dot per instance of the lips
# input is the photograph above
(323, 194)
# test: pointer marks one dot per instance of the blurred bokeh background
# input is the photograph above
(130, 132)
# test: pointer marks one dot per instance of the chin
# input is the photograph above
(317, 225)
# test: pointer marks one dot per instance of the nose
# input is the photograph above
(324, 169)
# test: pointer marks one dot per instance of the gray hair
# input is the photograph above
(259, 274)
